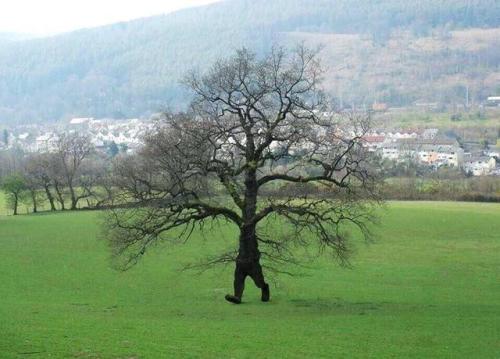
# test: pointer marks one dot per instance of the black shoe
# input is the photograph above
(265, 293)
(233, 299)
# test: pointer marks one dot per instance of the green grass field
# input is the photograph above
(24, 207)
(428, 288)
(490, 120)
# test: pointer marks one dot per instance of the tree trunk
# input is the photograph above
(74, 200)
(248, 259)
(248, 264)
(50, 198)
(60, 197)
(15, 205)
(33, 198)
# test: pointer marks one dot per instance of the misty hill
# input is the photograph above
(13, 36)
(375, 50)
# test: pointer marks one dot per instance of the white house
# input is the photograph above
(432, 153)
(391, 150)
(46, 142)
(80, 120)
(480, 166)
(493, 101)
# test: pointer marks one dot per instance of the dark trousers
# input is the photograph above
(253, 270)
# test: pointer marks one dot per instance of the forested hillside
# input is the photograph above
(374, 50)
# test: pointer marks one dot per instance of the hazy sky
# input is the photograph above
(43, 17)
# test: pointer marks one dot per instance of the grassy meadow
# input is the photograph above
(429, 287)
(489, 120)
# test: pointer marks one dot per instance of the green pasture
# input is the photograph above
(489, 119)
(428, 287)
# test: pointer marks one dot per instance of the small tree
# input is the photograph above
(56, 174)
(33, 196)
(5, 137)
(38, 176)
(94, 181)
(113, 149)
(72, 150)
(14, 185)
(252, 123)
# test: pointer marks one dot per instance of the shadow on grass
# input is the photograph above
(339, 306)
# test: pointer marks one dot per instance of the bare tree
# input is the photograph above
(38, 175)
(94, 181)
(56, 172)
(72, 149)
(46, 173)
(254, 123)
(32, 189)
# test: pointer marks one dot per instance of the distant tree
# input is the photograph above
(14, 185)
(102, 189)
(5, 137)
(72, 149)
(123, 147)
(94, 182)
(56, 171)
(214, 162)
(113, 149)
(38, 173)
(33, 197)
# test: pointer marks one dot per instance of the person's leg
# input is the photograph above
(239, 285)
(258, 277)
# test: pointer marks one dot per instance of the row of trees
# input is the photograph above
(443, 188)
(72, 173)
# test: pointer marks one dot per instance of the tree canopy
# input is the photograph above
(14, 185)
(253, 122)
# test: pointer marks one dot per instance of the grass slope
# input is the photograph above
(429, 288)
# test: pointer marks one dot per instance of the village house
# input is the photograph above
(429, 133)
(493, 101)
(46, 143)
(440, 155)
(480, 165)
(391, 151)
(397, 134)
(379, 106)
(373, 142)
(435, 153)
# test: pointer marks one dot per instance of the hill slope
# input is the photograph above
(133, 68)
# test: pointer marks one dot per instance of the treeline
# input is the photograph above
(130, 69)
(473, 189)
(412, 181)
(74, 176)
